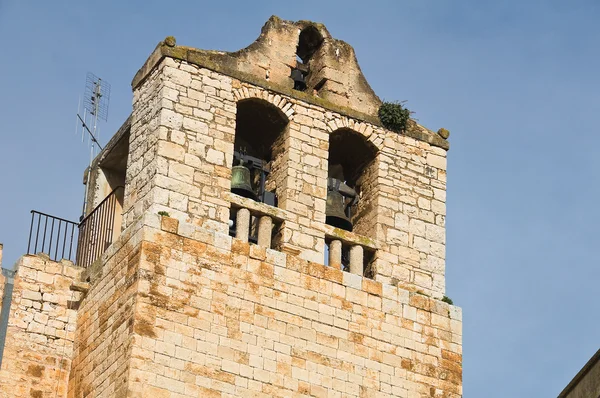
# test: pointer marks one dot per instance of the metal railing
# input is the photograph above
(93, 235)
(53, 235)
(96, 230)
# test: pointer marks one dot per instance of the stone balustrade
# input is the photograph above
(255, 219)
(258, 219)
(359, 249)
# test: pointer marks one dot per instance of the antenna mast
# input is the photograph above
(95, 106)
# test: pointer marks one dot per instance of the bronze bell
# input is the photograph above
(241, 182)
(298, 78)
(334, 211)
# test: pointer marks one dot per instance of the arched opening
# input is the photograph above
(257, 145)
(258, 124)
(351, 175)
(309, 42)
(258, 152)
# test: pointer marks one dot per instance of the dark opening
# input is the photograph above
(114, 166)
(352, 151)
(320, 85)
(257, 145)
(309, 42)
(258, 124)
(350, 154)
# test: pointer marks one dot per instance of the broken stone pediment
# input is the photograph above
(330, 67)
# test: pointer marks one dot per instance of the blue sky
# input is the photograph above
(515, 82)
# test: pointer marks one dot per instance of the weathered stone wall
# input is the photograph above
(411, 215)
(41, 328)
(102, 348)
(182, 150)
(217, 317)
(177, 162)
(141, 163)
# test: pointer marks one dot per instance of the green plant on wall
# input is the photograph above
(394, 116)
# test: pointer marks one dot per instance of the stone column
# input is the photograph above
(335, 254)
(242, 224)
(356, 260)
(265, 228)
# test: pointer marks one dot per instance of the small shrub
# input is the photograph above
(394, 116)
(448, 300)
(163, 214)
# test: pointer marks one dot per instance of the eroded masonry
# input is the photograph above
(251, 231)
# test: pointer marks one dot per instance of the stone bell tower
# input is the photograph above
(276, 240)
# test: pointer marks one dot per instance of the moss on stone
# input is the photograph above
(170, 41)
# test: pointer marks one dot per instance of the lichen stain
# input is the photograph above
(407, 364)
(265, 270)
(35, 370)
(356, 337)
(144, 328)
(194, 248)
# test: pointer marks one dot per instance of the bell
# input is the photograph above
(334, 211)
(241, 182)
(298, 78)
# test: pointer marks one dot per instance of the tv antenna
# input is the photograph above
(95, 106)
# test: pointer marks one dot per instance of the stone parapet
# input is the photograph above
(41, 328)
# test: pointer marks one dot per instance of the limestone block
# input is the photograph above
(171, 150)
(170, 119)
(436, 161)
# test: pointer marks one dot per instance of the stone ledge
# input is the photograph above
(348, 237)
(259, 208)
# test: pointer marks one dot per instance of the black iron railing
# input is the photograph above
(51, 235)
(93, 235)
(96, 230)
